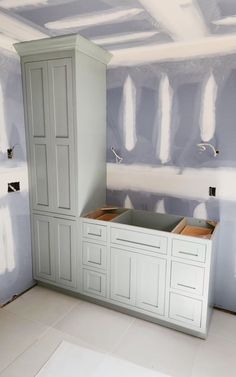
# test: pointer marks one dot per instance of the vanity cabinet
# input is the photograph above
(142, 262)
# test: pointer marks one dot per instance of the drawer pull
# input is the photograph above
(182, 316)
(186, 286)
(187, 253)
(95, 234)
(137, 243)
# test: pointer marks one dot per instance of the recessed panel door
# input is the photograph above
(61, 115)
(123, 276)
(44, 247)
(151, 277)
(39, 135)
(65, 250)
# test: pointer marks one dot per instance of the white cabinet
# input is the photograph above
(94, 283)
(55, 250)
(160, 274)
(123, 276)
(151, 281)
(49, 94)
(39, 135)
(64, 87)
(65, 252)
(138, 280)
(187, 278)
(185, 310)
(44, 250)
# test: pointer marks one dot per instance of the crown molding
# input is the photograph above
(63, 43)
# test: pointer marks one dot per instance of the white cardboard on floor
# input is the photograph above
(70, 360)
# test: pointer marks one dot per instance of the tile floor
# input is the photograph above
(33, 326)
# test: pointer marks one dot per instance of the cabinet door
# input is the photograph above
(44, 247)
(39, 134)
(61, 117)
(123, 276)
(151, 277)
(65, 250)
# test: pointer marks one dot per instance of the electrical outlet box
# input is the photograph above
(212, 191)
(13, 187)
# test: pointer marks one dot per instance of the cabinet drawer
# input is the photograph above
(189, 250)
(94, 283)
(95, 231)
(157, 244)
(185, 309)
(187, 278)
(94, 255)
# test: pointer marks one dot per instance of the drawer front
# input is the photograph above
(95, 231)
(185, 310)
(189, 250)
(187, 278)
(94, 283)
(157, 244)
(94, 255)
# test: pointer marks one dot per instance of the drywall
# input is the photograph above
(163, 111)
(15, 240)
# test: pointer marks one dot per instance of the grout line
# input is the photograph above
(27, 348)
(122, 336)
(64, 315)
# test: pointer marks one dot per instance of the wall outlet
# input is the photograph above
(212, 191)
(13, 187)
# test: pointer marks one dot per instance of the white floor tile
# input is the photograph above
(43, 305)
(159, 348)
(95, 325)
(223, 324)
(33, 359)
(16, 335)
(216, 358)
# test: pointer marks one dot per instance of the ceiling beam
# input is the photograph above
(148, 54)
(16, 29)
(181, 19)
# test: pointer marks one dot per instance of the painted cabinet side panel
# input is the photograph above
(91, 120)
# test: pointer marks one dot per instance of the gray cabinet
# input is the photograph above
(64, 87)
(151, 277)
(49, 94)
(138, 279)
(123, 276)
(65, 252)
(39, 135)
(55, 250)
(44, 247)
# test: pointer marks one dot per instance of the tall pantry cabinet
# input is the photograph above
(64, 86)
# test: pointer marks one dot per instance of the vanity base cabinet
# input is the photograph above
(161, 276)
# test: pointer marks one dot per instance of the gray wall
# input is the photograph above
(187, 81)
(15, 240)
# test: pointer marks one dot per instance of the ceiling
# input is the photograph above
(150, 29)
